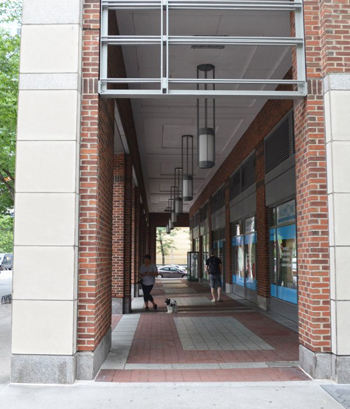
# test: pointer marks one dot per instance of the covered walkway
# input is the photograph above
(230, 341)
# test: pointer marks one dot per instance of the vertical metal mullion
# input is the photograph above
(300, 48)
(161, 46)
(104, 48)
(167, 46)
(198, 118)
(214, 114)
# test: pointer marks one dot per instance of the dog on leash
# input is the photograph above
(171, 305)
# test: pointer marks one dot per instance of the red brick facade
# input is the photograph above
(327, 33)
(118, 226)
(96, 182)
(270, 115)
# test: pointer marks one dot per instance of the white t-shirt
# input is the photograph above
(151, 268)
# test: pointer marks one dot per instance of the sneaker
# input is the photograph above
(213, 300)
(155, 307)
(220, 300)
(146, 309)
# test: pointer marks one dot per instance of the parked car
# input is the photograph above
(176, 266)
(171, 272)
(6, 261)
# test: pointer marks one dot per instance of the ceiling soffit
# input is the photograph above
(161, 122)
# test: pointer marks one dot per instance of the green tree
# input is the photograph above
(165, 242)
(10, 11)
(9, 65)
(6, 234)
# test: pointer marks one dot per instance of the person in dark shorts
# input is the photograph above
(214, 270)
(148, 273)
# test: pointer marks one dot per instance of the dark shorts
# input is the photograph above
(215, 281)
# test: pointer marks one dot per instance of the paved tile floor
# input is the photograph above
(203, 342)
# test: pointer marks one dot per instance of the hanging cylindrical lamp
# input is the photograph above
(178, 191)
(173, 214)
(206, 119)
(167, 227)
(187, 167)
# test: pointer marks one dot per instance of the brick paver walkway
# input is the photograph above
(203, 342)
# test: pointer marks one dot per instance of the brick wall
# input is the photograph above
(127, 231)
(269, 116)
(228, 247)
(253, 138)
(262, 227)
(96, 182)
(118, 226)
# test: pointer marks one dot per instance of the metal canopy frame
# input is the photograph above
(165, 41)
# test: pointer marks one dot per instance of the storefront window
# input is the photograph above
(205, 241)
(244, 254)
(196, 244)
(283, 253)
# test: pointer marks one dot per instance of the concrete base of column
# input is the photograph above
(325, 366)
(89, 363)
(121, 305)
(341, 368)
(135, 291)
(261, 302)
(317, 365)
(43, 369)
(228, 288)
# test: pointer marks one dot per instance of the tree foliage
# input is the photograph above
(10, 11)
(6, 234)
(165, 242)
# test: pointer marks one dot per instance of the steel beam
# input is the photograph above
(166, 41)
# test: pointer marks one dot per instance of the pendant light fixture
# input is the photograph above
(178, 191)
(171, 206)
(187, 167)
(206, 119)
(167, 227)
(173, 214)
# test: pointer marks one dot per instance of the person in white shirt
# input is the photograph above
(148, 273)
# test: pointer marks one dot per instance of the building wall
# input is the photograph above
(96, 190)
(253, 139)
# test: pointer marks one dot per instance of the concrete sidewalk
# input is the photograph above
(5, 344)
(306, 394)
(92, 395)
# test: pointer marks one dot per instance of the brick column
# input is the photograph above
(200, 256)
(323, 193)
(137, 258)
(210, 226)
(228, 247)
(121, 259)
(262, 228)
(153, 243)
(127, 234)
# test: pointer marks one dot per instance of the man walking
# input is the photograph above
(214, 270)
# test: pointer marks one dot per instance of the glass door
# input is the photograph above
(192, 265)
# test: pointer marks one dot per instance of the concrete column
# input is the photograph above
(336, 108)
(44, 329)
